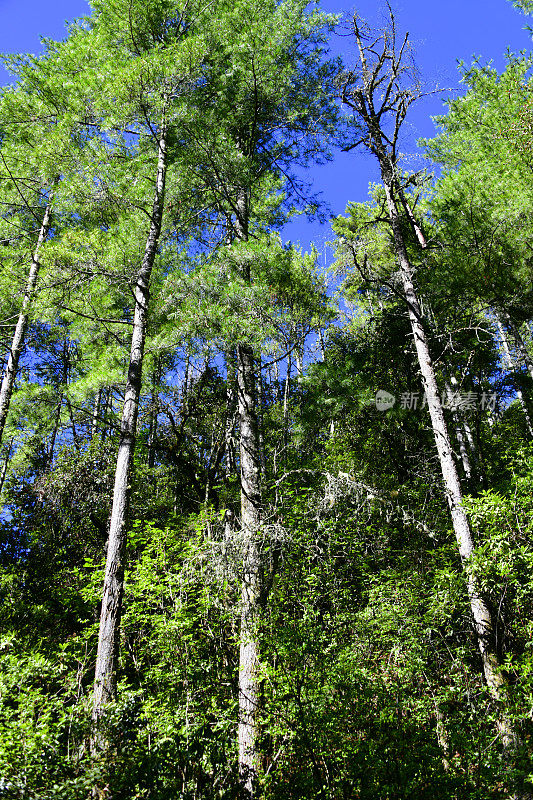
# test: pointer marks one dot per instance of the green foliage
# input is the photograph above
(482, 202)
(371, 683)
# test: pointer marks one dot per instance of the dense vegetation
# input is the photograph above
(266, 531)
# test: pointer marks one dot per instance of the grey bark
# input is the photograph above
(463, 451)
(106, 659)
(482, 618)
(5, 465)
(510, 365)
(298, 355)
(17, 344)
(96, 414)
(322, 345)
(286, 391)
(460, 435)
(252, 567)
(252, 571)
(230, 412)
(107, 412)
(469, 437)
(520, 344)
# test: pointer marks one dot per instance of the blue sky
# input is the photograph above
(442, 33)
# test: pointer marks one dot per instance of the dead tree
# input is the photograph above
(379, 90)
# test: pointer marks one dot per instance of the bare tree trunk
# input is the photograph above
(17, 344)
(469, 437)
(260, 417)
(322, 345)
(460, 436)
(96, 414)
(5, 465)
(230, 413)
(521, 346)
(252, 567)
(464, 435)
(481, 614)
(380, 91)
(463, 451)
(298, 355)
(252, 577)
(509, 363)
(286, 391)
(108, 410)
(106, 659)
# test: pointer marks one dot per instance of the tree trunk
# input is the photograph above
(298, 356)
(260, 418)
(252, 573)
(49, 457)
(286, 390)
(508, 360)
(230, 413)
(107, 413)
(463, 451)
(520, 344)
(252, 567)
(460, 435)
(483, 624)
(106, 659)
(17, 344)
(5, 465)
(96, 414)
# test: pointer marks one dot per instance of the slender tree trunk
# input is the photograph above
(520, 344)
(96, 414)
(322, 345)
(260, 416)
(108, 411)
(509, 363)
(5, 465)
(252, 577)
(463, 451)
(465, 436)
(252, 566)
(17, 344)
(57, 419)
(230, 413)
(481, 614)
(279, 393)
(229, 440)
(413, 221)
(75, 437)
(460, 436)
(106, 659)
(298, 356)
(286, 390)
(470, 438)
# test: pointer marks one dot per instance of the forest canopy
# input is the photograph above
(266, 525)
